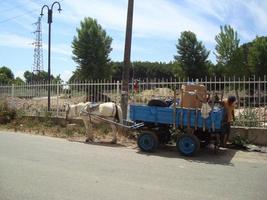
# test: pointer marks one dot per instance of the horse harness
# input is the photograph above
(94, 107)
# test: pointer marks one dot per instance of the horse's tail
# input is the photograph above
(118, 115)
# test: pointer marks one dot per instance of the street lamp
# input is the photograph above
(49, 21)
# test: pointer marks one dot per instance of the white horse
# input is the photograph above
(96, 113)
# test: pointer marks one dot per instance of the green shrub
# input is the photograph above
(32, 123)
(239, 141)
(6, 114)
(68, 132)
(248, 118)
(47, 119)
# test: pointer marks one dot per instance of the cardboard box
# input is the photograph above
(193, 95)
(195, 87)
(190, 100)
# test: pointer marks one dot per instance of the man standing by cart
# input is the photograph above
(229, 106)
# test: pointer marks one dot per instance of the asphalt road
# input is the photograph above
(42, 168)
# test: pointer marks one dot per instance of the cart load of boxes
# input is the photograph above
(193, 95)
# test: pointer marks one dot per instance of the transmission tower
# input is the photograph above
(38, 48)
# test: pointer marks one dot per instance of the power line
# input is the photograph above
(11, 18)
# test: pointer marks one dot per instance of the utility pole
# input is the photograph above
(127, 60)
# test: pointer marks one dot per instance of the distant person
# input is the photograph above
(136, 86)
(229, 106)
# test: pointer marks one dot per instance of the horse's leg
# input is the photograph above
(114, 132)
(88, 129)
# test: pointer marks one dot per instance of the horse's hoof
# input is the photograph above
(89, 140)
(113, 142)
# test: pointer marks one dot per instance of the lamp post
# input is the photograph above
(49, 21)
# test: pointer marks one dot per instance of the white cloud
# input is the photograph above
(154, 21)
(257, 10)
(63, 49)
(108, 13)
(166, 20)
(247, 17)
(117, 46)
(17, 41)
(162, 19)
(216, 9)
(13, 40)
(159, 18)
(21, 15)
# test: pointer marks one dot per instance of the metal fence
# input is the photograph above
(31, 99)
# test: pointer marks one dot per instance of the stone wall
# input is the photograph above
(256, 136)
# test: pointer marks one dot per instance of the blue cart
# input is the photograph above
(188, 127)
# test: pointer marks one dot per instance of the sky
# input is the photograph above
(157, 25)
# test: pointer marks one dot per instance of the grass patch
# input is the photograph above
(248, 118)
(103, 128)
(68, 132)
(46, 126)
(53, 127)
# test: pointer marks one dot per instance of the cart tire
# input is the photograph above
(157, 102)
(187, 144)
(148, 141)
(204, 143)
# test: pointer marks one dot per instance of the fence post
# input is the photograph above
(57, 97)
(118, 91)
(12, 95)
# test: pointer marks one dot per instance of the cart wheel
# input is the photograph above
(187, 144)
(148, 141)
(203, 136)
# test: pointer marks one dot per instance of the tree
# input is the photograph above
(91, 48)
(212, 69)
(40, 76)
(249, 59)
(6, 75)
(18, 81)
(28, 76)
(4, 79)
(116, 70)
(227, 42)
(257, 56)
(5, 70)
(238, 64)
(177, 70)
(56, 80)
(75, 76)
(192, 55)
(150, 70)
